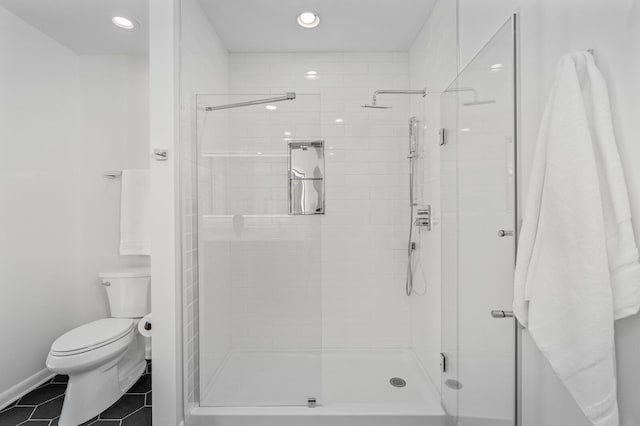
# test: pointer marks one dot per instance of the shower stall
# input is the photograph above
(305, 221)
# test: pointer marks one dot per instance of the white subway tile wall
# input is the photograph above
(362, 252)
(203, 69)
(271, 281)
(267, 263)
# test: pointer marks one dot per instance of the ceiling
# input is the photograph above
(346, 25)
(84, 26)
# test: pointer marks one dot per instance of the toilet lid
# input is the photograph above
(92, 335)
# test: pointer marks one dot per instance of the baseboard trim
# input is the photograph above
(24, 387)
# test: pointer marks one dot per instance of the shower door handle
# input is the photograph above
(503, 233)
(502, 314)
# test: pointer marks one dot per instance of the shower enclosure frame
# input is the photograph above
(515, 22)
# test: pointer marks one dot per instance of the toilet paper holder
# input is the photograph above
(145, 325)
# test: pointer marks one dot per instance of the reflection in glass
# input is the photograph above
(478, 200)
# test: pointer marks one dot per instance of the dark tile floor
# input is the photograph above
(42, 406)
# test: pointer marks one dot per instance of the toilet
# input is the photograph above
(104, 358)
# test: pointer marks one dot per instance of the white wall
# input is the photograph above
(549, 28)
(112, 134)
(166, 297)
(64, 120)
(38, 184)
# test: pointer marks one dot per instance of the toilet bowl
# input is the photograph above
(103, 358)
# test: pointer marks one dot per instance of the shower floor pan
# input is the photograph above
(352, 388)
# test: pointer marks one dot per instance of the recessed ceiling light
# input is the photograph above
(496, 67)
(122, 22)
(308, 20)
(465, 130)
(271, 107)
(339, 120)
(287, 133)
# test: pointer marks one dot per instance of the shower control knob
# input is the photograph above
(503, 233)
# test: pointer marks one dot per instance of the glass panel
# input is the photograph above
(449, 244)
(478, 195)
(260, 276)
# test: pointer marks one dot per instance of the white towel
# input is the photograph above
(577, 268)
(135, 213)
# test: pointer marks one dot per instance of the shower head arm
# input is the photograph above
(422, 92)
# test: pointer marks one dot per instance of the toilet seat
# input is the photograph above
(92, 336)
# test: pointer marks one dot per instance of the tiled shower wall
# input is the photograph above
(267, 263)
(359, 244)
(363, 232)
(203, 69)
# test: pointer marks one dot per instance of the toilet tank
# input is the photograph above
(128, 291)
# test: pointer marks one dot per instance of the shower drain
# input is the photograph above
(398, 382)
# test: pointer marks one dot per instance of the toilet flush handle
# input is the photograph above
(106, 283)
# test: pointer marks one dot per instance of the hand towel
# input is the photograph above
(577, 267)
(135, 210)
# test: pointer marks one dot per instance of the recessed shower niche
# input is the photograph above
(306, 177)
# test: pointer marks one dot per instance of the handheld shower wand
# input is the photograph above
(411, 245)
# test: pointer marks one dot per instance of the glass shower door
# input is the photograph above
(259, 266)
(478, 237)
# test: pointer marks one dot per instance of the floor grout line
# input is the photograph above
(42, 403)
(34, 409)
(131, 414)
